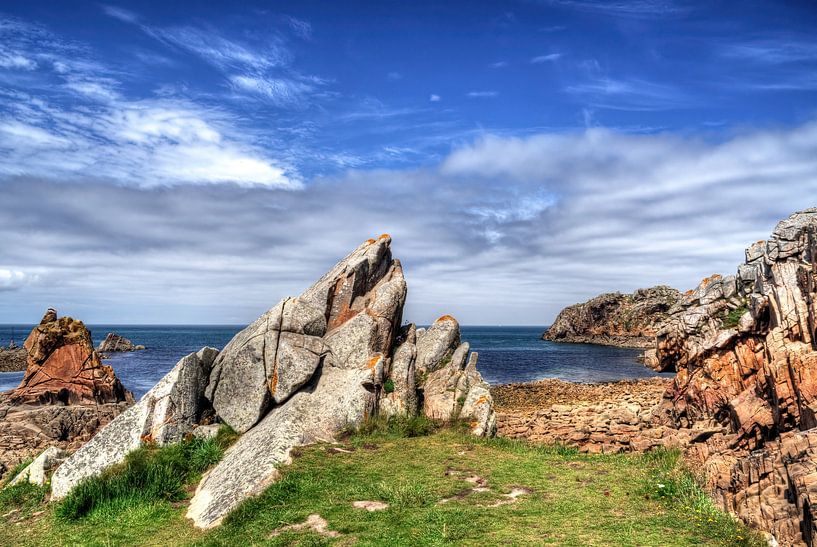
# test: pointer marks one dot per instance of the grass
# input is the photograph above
(731, 318)
(572, 499)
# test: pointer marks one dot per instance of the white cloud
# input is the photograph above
(13, 60)
(499, 64)
(301, 28)
(546, 58)
(434, 98)
(394, 76)
(482, 94)
(12, 279)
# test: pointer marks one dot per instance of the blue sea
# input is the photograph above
(506, 354)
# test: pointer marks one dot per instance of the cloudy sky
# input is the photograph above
(196, 162)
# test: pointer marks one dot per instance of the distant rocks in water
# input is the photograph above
(65, 396)
(115, 343)
(616, 319)
(12, 360)
(310, 367)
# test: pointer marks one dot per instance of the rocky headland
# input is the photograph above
(743, 403)
(66, 394)
(115, 343)
(306, 370)
(615, 319)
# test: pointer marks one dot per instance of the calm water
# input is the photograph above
(506, 354)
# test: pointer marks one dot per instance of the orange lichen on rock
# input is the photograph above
(445, 318)
(370, 241)
(373, 361)
(273, 383)
(482, 400)
(384, 236)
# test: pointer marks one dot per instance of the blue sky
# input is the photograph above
(194, 162)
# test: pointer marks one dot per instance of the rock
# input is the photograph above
(315, 365)
(114, 343)
(165, 414)
(436, 344)
(37, 471)
(615, 319)
(12, 360)
(332, 401)
(63, 368)
(346, 317)
(746, 359)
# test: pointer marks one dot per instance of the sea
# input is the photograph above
(506, 354)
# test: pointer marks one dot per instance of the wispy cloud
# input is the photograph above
(482, 94)
(549, 58)
(12, 279)
(394, 76)
(282, 92)
(632, 94)
(499, 64)
(772, 51)
(434, 98)
(624, 8)
(301, 28)
(120, 13)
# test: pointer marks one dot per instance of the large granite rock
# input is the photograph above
(115, 343)
(165, 414)
(63, 368)
(322, 362)
(745, 354)
(615, 319)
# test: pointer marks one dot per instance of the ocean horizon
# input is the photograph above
(507, 354)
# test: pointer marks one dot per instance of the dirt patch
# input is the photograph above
(544, 393)
(370, 505)
(313, 522)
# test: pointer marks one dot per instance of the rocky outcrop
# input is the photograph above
(63, 368)
(322, 362)
(745, 354)
(66, 394)
(310, 367)
(12, 360)
(615, 319)
(165, 414)
(115, 343)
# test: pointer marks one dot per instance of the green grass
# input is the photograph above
(731, 318)
(573, 499)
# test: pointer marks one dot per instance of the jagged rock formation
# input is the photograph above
(615, 319)
(114, 343)
(307, 369)
(170, 410)
(745, 354)
(63, 368)
(12, 360)
(65, 396)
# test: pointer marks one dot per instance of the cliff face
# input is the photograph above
(746, 359)
(615, 319)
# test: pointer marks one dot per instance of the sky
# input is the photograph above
(192, 162)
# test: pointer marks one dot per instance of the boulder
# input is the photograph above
(318, 364)
(115, 343)
(12, 359)
(63, 367)
(165, 414)
(37, 471)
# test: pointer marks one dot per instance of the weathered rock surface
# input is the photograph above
(37, 471)
(745, 354)
(12, 360)
(319, 363)
(115, 343)
(63, 368)
(165, 414)
(615, 319)
(66, 394)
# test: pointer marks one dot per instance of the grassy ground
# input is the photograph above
(563, 498)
